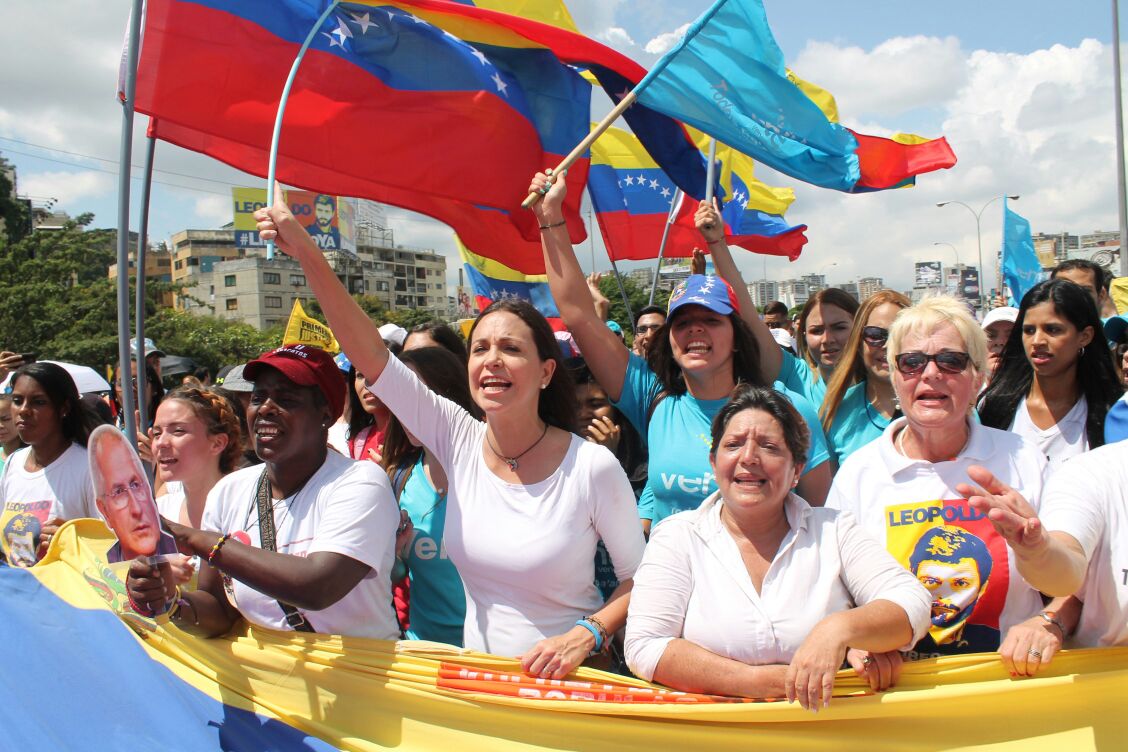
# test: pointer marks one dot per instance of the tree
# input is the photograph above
(638, 295)
(210, 341)
(14, 213)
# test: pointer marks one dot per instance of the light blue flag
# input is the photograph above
(1021, 269)
(727, 78)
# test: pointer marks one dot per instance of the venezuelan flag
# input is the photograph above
(386, 106)
(91, 675)
(492, 281)
(632, 198)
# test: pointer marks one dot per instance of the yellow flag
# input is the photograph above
(303, 330)
(1119, 292)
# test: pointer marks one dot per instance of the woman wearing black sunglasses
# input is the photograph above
(903, 487)
(859, 401)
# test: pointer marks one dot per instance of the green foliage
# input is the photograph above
(376, 311)
(638, 295)
(59, 302)
(210, 341)
(13, 212)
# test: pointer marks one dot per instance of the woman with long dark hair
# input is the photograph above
(437, 609)
(527, 499)
(695, 360)
(368, 419)
(47, 482)
(1055, 381)
(860, 401)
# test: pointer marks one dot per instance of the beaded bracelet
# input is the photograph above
(218, 545)
(601, 625)
(594, 633)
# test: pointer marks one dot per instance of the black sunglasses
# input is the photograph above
(776, 324)
(875, 336)
(948, 361)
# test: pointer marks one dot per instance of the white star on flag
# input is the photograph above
(501, 85)
(665, 193)
(342, 32)
(654, 184)
(363, 21)
(642, 180)
(480, 55)
(630, 180)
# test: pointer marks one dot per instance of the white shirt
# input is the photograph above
(1066, 438)
(339, 436)
(1088, 499)
(693, 584)
(526, 553)
(913, 507)
(345, 508)
(28, 499)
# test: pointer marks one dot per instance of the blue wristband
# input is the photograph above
(594, 633)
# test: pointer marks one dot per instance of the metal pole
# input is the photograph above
(270, 172)
(124, 158)
(139, 263)
(979, 242)
(1121, 193)
(674, 206)
(622, 290)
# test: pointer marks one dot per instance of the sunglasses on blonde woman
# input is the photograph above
(949, 361)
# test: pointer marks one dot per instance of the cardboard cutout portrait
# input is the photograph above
(125, 499)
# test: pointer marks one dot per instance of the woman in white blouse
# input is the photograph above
(756, 593)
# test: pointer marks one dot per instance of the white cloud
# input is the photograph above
(213, 210)
(896, 76)
(663, 43)
(66, 187)
(617, 37)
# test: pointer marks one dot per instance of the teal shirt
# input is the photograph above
(796, 375)
(438, 599)
(678, 436)
(856, 423)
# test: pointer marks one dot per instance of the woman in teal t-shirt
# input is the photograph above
(860, 401)
(694, 362)
(437, 605)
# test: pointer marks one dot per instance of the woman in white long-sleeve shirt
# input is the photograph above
(756, 593)
(528, 499)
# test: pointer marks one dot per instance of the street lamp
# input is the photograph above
(954, 251)
(824, 267)
(979, 239)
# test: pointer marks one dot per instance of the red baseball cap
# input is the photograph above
(305, 366)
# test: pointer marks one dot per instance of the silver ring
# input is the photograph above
(867, 661)
(1034, 653)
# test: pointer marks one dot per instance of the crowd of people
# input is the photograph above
(732, 503)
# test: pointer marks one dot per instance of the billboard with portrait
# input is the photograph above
(329, 220)
(928, 274)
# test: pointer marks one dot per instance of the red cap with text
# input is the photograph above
(305, 366)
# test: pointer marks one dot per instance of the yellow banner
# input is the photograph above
(303, 330)
(361, 694)
(1119, 292)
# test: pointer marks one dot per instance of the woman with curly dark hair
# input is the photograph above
(1055, 381)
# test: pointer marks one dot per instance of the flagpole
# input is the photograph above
(126, 150)
(674, 205)
(1121, 193)
(139, 265)
(276, 136)
(622, 290)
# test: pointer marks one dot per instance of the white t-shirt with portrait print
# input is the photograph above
(347, 508)
(1066, 438)
(65, 483)
(1087, 498)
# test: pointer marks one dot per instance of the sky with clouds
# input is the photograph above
(1022, 90)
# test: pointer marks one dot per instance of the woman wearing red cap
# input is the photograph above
(527, 499)
(693, 364)
(303, 542)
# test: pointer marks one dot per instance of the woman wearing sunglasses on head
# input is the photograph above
(1055, 380)
(903, 487)
(859, 401)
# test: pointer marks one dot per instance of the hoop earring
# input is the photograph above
(1081, 352)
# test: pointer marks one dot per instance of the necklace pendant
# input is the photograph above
(511, 462)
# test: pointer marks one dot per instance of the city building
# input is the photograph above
(158, 268)
(814, 282)
(240, 284)
(794, 292)
(868, 286)
(763, 291)
(851, 289)
(1052, 249)
(643, 277)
